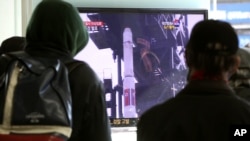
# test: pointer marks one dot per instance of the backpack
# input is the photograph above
(35, 100)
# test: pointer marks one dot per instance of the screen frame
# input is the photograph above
(131, 122)
(143, 10)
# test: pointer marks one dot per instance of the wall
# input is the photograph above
(10, 13)
(15, 14)
(140, 3)
(144, 3)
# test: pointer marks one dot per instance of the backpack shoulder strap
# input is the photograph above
(71, 65)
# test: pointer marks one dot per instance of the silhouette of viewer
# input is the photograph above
(56, 31)
(207, 107)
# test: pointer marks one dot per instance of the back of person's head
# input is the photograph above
(58, 24)
(241, 78)
(14, 43)
(212, 47)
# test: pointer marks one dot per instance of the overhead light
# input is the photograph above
(241, 26)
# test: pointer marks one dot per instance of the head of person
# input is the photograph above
(12, 44)
(241, 78)
(57, 24)
(212, 48)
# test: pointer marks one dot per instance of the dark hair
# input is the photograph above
(212, 47)
(15, 43)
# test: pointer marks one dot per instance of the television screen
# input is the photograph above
(139, 55)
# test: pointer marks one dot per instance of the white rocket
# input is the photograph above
(129, 104)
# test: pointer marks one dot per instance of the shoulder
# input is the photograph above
(79, 66)
(152, 122)
(80, 70)
(243, 92)
(243, 103)
(156, 113)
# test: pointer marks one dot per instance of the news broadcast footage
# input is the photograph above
(139, 56)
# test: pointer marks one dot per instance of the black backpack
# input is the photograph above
(35, 100)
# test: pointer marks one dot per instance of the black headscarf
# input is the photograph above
(57, 24)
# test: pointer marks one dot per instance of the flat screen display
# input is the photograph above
(139, 55)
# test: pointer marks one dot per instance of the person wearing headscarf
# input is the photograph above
(56, 30)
